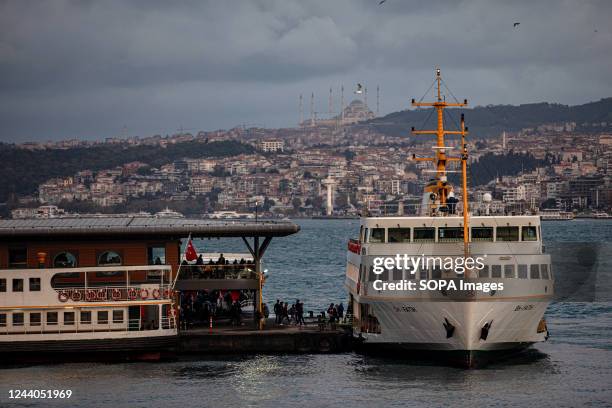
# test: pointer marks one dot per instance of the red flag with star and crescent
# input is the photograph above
(190, 253)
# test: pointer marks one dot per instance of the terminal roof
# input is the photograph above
(126, 227)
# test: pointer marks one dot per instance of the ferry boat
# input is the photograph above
(109, 288)
(461, 323)
(553, 214)
(85, 289)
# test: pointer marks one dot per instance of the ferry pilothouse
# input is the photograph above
(463, 326)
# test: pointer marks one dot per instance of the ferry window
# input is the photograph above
(398, 274)
(484, 272)
(35, 319)
(482, 234)
(529, 234)
(64, 260)
(17, 285)
(102, 317)
(544, 270)
(534, 271)
(399, 234)
(509, 271)
(109, 258)
(51, 318)
(156, 255)
(85, 317)
(436, 273)
(365, 235)
(18, 257)
(35, 284)
(507, 234)
(425, 234)
(2, 285)
(450, 234)
(2, 319)
(522, 271)
(361, 234)
(496, 271)
(377, 235)
(373, 276)
(69, 318)
(384, 276)
(17, 319)
(117, 316)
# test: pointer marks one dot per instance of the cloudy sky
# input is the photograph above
(93, 69)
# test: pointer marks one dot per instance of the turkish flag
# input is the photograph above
(190, 252)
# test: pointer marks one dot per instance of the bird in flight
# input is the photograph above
(359, 89)
(381, 2)
(516, 25)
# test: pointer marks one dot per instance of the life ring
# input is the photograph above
(132, 294)
(102, 295)
(303, 345)
(116, 294)
(76, 296)
(144, 293)
(90, 295)
(324, 345)
(156, 293)
(62, 296)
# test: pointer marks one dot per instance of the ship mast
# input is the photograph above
(440, 187)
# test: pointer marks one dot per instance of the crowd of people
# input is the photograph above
(220, 269)
(291, 315)
(197, 307)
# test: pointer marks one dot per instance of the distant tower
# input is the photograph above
(365, 97)
(377, 100)
(330, 102)
(312, 118)
(301, 123)
(329, 183)
(342, 105)
(504, 140)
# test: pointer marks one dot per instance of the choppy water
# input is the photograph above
(574, 368)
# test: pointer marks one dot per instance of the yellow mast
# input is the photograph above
(440, 187)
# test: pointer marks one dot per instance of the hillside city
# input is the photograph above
(342, 161)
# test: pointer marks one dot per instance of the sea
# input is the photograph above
(572, 369)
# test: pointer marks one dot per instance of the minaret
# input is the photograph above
(377, 100)
(365, 98)
(301, 111)
(312, 118)
(504, 140)
(342, 105)
(330, 107)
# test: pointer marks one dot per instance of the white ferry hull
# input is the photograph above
(420, 327)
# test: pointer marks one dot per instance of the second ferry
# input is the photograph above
(464, 326)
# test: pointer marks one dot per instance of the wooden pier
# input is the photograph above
(277, 339)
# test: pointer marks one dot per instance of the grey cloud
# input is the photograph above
(85, 68)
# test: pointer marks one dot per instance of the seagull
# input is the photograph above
(359, 89)
(381, 2)
(516, 25)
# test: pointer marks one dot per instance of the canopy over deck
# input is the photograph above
(133, 227)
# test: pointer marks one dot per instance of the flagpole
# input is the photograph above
(178, 271)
